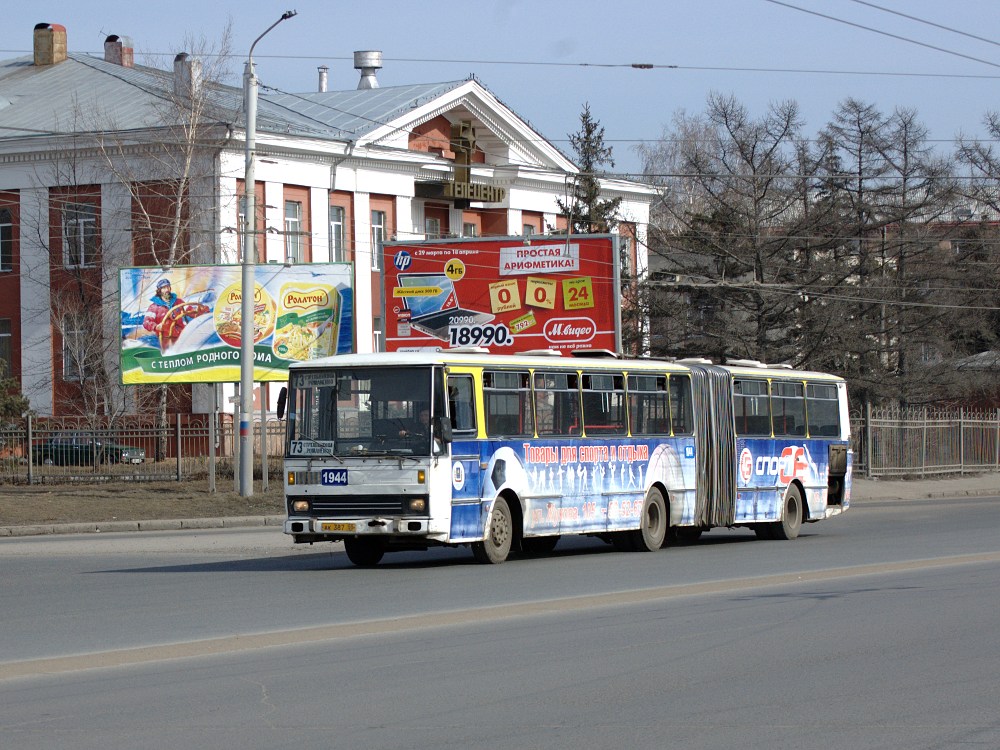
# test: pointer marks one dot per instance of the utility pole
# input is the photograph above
(247, 283)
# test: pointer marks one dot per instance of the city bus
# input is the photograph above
(507, 453)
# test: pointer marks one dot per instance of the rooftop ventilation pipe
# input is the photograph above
(368, 62)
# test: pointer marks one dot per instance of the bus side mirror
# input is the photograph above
(282, 400)
(442, 429)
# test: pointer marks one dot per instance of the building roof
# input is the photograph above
(84, 94)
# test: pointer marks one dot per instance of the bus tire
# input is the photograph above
(538, 545)
(365, 553)
(499, 535)
(652, 524)
(791, 518)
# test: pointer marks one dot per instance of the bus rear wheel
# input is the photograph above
(499, 535)
(653, 523)
(365, 553)
(791, 519)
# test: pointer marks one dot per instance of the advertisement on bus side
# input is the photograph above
(509, 294)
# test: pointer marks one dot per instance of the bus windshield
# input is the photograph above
(360, 411)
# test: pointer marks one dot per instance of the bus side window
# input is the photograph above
(822, 410)
(648, 405)
(681, 408)
(751, 407)
(462, 403)
(557, 403)
(507, 397)
(604, 404)
(788, 407)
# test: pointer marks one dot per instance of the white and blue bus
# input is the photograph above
(507, 453)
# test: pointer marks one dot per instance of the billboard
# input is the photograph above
(183, 324)
(508, 294)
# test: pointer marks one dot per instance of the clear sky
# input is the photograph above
(546, 58)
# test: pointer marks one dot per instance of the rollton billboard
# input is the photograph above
(509, 294)
(183, 325)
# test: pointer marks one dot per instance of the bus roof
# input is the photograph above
(537, 360)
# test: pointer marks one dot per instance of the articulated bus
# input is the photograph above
(507, 453)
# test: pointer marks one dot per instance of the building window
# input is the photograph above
(527, 230)
(6, 241)
(6, 360)
(432, 227)
(378, 239)
(73, 352)
(378, 339)
(79, 227)
(469, 229)
(338, 243)
(293, 232)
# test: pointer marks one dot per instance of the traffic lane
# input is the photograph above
(903, 659)
(97, 598)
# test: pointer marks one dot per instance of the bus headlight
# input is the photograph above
(300, 506)
(417, 505)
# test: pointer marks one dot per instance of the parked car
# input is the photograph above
(81, 448)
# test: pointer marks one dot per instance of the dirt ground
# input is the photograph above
(22, 505)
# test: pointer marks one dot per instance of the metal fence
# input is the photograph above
(887, 443)
(918, 442)
(192, 448)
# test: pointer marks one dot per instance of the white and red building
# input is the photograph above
(337, 172)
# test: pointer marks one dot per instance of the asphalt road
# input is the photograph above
(874, 630)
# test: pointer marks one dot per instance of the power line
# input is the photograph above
(926, 22)
(883, 33)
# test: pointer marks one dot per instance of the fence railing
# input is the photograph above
(887, 443)
(68, 451)
(918, 442)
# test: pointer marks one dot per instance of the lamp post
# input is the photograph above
(247, 284)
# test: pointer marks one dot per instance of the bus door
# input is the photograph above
(466, 459)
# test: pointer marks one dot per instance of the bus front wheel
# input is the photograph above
(499, 535)
(365, 553)
(653, 524)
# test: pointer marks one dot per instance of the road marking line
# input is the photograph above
(516, 610)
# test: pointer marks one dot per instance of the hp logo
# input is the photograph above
(402, 260)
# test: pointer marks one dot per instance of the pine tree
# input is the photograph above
(585, 211)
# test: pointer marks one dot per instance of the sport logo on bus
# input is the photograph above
(560, 330)
(746, 465)
(793, 462)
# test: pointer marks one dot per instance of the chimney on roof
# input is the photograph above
(323, 76)
(118, 50)
(50, 43)
(368, 62)
(187, 76)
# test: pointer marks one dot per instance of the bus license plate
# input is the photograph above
(335, 477)
(334, 526)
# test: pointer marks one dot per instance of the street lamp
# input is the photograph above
(247, 290)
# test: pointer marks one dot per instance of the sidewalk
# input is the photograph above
(971, 485)
(863, 490)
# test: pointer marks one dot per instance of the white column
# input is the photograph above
(274, 219)
(363, 307)
(37, 368)
(319, 222)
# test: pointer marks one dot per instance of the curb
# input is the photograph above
(234, 522)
